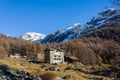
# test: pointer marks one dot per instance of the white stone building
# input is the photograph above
(54, 56)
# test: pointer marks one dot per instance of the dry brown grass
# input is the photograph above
(36, 70)
(48, 76)
(40, 57)
(23, 64)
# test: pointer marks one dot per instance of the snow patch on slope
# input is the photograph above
(73, 26)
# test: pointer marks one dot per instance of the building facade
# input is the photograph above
(17, 55)
(14, 55)
(54, 56)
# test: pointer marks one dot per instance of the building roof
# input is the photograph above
(52, 49)
(73, 58)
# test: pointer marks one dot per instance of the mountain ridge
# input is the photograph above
(102, 19)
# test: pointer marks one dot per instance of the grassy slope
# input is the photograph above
(35, 69)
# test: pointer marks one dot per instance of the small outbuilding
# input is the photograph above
(71, 59)
(17, 55)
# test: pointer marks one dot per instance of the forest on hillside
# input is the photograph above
(101, 46)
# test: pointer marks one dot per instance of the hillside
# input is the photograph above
(108, 33)
(23, 69)
(88, 50)
(9, 45)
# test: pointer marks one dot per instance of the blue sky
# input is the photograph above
(46, 16)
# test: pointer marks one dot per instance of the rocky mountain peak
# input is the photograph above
(33, 36)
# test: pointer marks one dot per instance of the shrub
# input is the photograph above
(48, 76)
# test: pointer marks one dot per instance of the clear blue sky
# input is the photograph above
(45, 16)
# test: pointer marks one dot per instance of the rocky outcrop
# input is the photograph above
(7, 73)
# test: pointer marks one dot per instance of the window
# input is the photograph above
(55, 55)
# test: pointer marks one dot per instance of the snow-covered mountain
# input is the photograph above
(72, 32)
(104, 18)
(33, 36)
(107, 17)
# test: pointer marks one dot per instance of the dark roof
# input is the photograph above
(73, 58)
